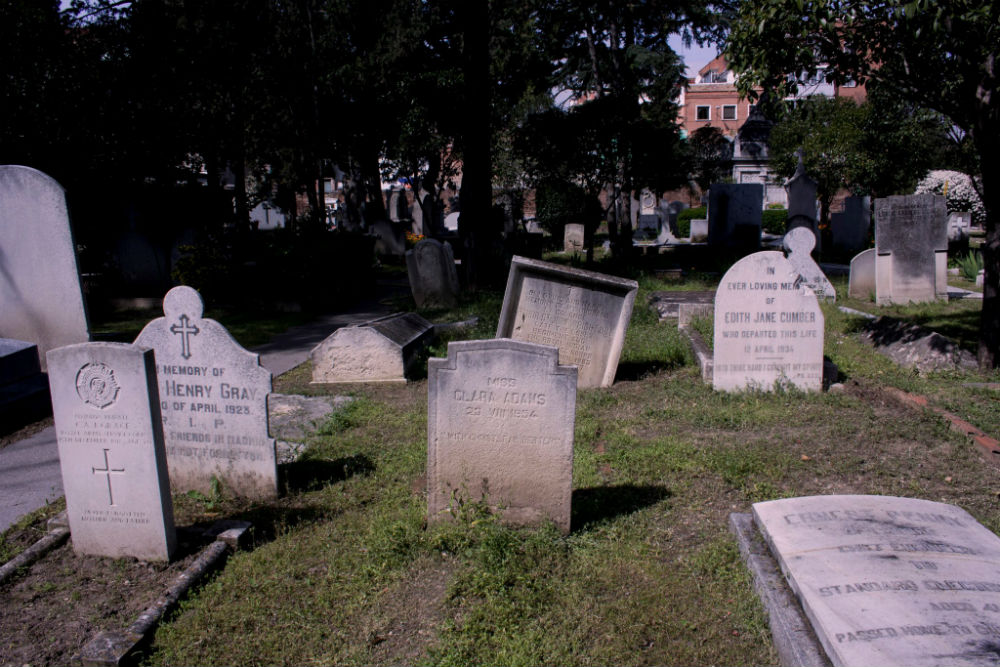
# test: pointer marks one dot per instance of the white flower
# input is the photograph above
(961, 195)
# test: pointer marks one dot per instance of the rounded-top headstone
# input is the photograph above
(183, 300)
(800, 240)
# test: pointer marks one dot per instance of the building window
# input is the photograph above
(850, 83)
(729, 112)
(703, 113)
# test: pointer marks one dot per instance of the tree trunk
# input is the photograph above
(988, 146)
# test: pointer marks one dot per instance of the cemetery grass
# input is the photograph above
(344, 570)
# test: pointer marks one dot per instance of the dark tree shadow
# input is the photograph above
(311, 474)
(637, 370)
(599, 503)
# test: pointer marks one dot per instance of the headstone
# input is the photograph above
(24, 389)
(583, 313)
(532, 227)
(801, 192)
(861, 284)
(799, 243)
(500, 419)
(111, 452)
(911, 249)
(734, 214)
(849, 228)
(889, 581)
(433, 277)
(213, 397)
(451, 222)
(398, 207)
(699, 230)
(647, 228)
(40, 297)
(381, 350)
(573, 238)
(959, 225)
(390, 238)
(647, 202)
(768, 328)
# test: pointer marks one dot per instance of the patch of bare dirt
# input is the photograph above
(60, 603)
(410, 612)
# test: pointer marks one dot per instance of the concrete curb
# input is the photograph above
(54, 538)
(118, 648)
(793, 637)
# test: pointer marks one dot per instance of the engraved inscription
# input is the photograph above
(96, 385)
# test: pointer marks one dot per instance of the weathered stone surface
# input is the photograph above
(911, 249)
(861, 284)
(699, 230)
(431, 270)
(799, 242)
(584, 313)
(381, 350)
(500, 421)
(667, 303)
(768, 328)
(573, 239)
(887, 580)
(849, 228)
(111, 451)
(390, 237)
(40, 297)
(734, 214)
(213, 395)
(913, 346)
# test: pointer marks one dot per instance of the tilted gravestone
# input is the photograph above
(111, 451)
(40, 297)
(500, 419)
(583, 313)
(213, 395)
(381, 350)
(861, 283)
(573, 240)
(799, 243)
(768, 327)
(911, 249)
(430, 266)
(889, 581)
(734, 214)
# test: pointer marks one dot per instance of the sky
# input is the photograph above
(696, 57)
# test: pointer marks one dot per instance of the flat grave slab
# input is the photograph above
(583, 313)
(667, 303)
(380, 350)
(889, 581)
(768, 327)
(111, 451)
(213, 395)
(500, 419)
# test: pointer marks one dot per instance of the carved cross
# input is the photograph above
(107, 471)
(186, 330)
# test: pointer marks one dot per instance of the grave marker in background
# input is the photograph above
(40, 297)
(500, 421)
(849, 228)
(213, 397)
(768, 328)
(799, 243)
(430, 266)
(861, 284)
(734, 214)
(111, 451)
(573, 239)
(381, 350)
(583, 313)
(889, 581)
(911, 249)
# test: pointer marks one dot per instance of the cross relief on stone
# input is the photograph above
(107, 471)
(186, 330)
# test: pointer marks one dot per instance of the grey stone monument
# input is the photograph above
(430, 266)
(768, 327)
(213, 395)
(849, 228)
(801, 192)
(699, 230)
(381, 350)
(889, 581)
(573, 239)
(40, 297)
(799, 242)
(861, 283)
(911, 249)
(390, 238)
(734, 214)
(111, 452)
(500, 419)
(583, 313)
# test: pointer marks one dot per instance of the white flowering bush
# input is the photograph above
(961, 195)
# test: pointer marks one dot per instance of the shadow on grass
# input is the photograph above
(311, 474)
(600, 503)
(629, 371)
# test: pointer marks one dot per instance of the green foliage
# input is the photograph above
(774, 220)
(684, 219)
(559, 203)
(711, 156)
(971, 264)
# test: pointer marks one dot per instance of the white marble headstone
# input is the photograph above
(213, 395)
(40, 296)
(573, 239)
(799, 243)
(887, 580)
(500, 419)
(861, 284)
(768, 327)
(111, 452)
